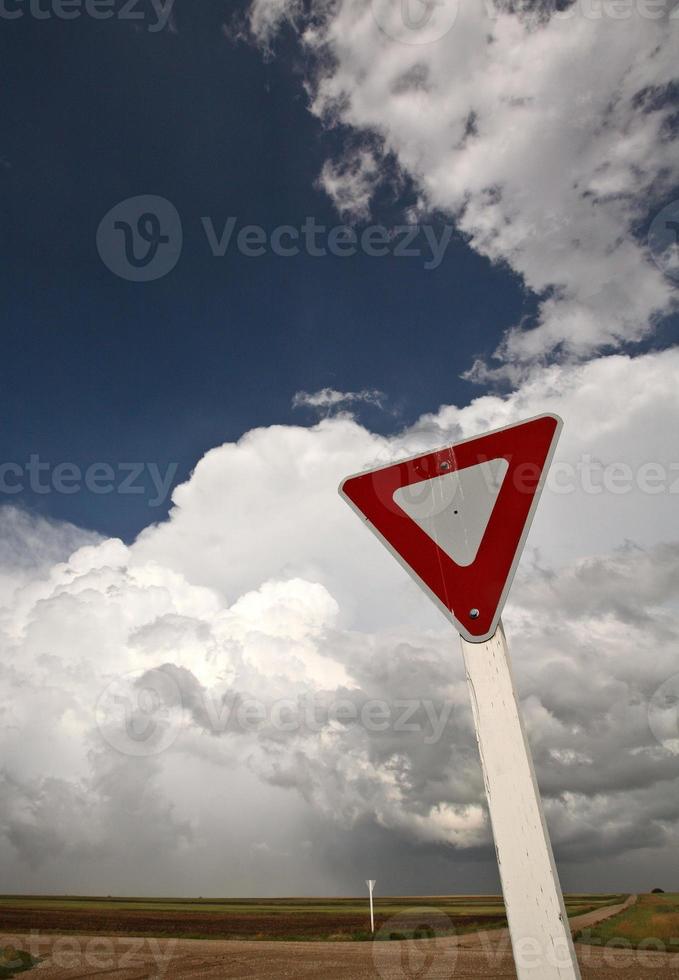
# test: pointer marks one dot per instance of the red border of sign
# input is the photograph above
(528, 448)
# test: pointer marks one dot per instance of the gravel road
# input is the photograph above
(481, 955)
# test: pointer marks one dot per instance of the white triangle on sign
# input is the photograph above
(454, 509)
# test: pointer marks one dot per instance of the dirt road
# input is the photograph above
(484, 955)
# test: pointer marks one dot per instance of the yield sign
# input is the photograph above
(457, 518)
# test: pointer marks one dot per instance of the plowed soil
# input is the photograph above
(240, 925)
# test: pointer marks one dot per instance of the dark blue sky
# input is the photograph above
(100, 369)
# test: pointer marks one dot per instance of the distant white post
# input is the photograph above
(538, 925)
(371, 885)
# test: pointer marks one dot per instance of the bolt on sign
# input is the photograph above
(457, 520)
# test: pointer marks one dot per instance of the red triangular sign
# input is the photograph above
(457, 518)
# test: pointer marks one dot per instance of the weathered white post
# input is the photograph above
(538, 925)
(371, 885)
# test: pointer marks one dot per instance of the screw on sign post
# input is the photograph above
(371, 887)
(457, 520)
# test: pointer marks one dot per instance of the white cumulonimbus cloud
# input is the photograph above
(272, 633)
(282, 633)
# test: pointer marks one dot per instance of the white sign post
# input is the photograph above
(457, 519)
(538, 925)
(371, 885)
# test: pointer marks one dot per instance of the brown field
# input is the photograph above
(483, 954)
(476, 955)
(308, 926)
(263, 919)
